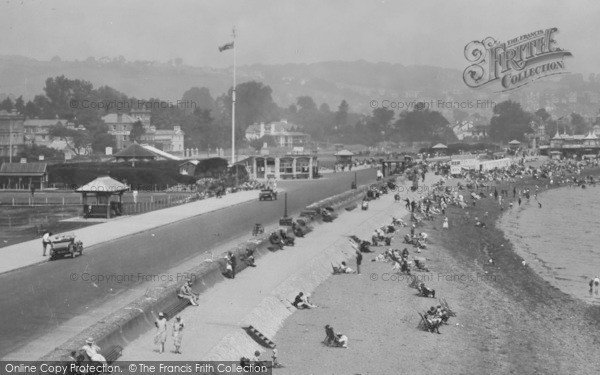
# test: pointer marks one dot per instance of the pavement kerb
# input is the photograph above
(126, 324)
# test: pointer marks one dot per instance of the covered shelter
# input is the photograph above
(98, 197)
(514, 144)
(440, 148)
(134, 153)
(343, 157)
(23, 175)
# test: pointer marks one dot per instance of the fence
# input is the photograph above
(156, 201)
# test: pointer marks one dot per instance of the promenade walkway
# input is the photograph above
(226, 307)
(29, 253)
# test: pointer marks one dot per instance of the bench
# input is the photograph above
(112, 353)
(174, 309)
(97, 211)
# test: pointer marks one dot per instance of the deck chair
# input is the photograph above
(445, 305)
(336, 270)
(330, 338)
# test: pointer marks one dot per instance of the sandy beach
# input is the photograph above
(509, 319)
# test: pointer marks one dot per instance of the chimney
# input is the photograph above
(272, 128)
(262, 129)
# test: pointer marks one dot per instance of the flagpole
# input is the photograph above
(233, 107)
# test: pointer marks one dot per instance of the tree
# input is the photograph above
(197, 98)
(542, 114)
(509, 122)
(258, 144)
(20, 105)
(31, 110)
(33, 153)
(578, 124)
(306, 103)
(341, 116)
(254, 103)
(101, 141)
(423, 125)
(79, 141)
(137, 130)
(7, 104)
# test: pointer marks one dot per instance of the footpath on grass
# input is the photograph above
(260, 296)
(29, 253)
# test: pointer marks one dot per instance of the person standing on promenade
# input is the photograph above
(445, 225)
(514, 191)
(407, 204)
(233, 264)
(46, 241)
(358, 261)
(177, 334)
(161, 332)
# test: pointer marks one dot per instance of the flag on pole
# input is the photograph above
(226, 47)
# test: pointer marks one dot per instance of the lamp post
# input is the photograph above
(285, 220)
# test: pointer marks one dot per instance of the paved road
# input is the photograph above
(39, 299)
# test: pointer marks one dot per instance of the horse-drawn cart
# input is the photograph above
(65, 245)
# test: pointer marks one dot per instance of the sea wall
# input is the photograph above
(128, 323)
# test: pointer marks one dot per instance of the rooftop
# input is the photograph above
(23, 169)
(103, 184)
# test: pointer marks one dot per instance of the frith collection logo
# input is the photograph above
(515, 63)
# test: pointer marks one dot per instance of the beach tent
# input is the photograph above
(440, 146)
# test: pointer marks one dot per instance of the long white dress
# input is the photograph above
(445, 225)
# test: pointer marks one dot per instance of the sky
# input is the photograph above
(418, 32)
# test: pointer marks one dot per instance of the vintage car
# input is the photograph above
(65, 245)
(269, 194)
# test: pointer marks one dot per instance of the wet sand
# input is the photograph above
(560, 240)
(509, 320)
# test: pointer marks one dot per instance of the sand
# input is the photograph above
(509, 320)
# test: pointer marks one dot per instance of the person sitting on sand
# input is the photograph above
(434, 320)
(345, 269)
(186, 292)
(342, 340)
(301, 301)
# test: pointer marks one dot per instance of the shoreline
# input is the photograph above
(510, 320)
(542, 263)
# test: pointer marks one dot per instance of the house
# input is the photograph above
(143, 115)
(119, 126)
(12, 133)
(37, 130)
(171, 141)
(188, 167)
(285, 134)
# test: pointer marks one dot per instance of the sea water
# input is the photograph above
(561, 240)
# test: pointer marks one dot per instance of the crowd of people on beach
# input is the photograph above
(501, 185)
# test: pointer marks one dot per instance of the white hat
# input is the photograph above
(160, 314)
(89, 341)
